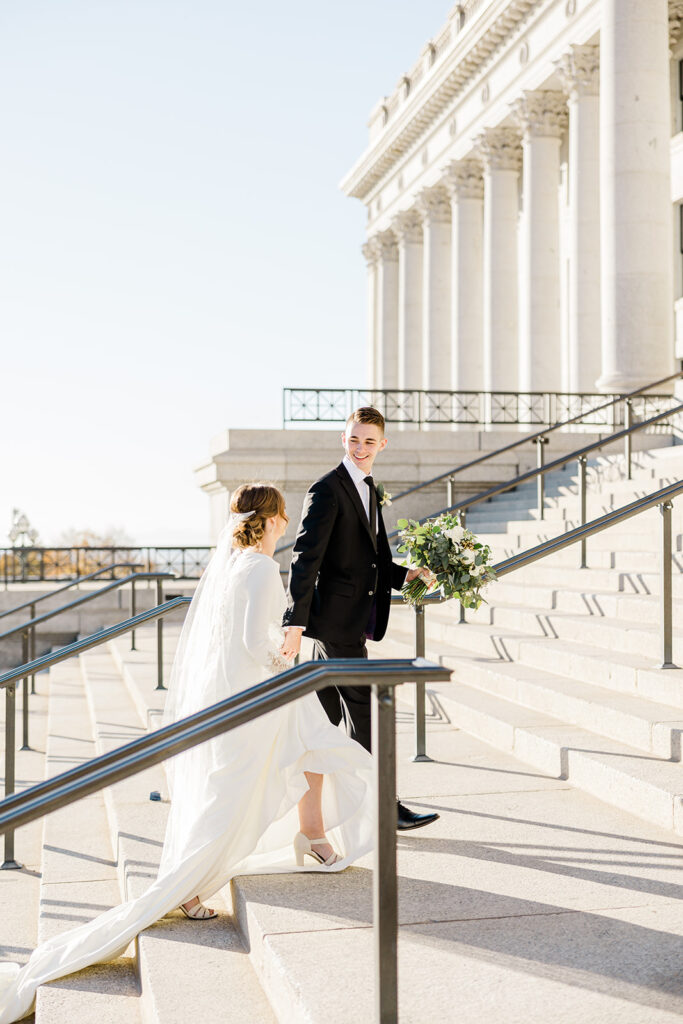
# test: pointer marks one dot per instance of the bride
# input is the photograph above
(258, 799)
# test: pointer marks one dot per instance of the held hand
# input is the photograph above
(292, 644)
(426, 574)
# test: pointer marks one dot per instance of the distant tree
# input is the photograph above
(75, 537)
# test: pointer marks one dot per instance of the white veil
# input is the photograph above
(199, 677)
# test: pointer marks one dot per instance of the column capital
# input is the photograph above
(434, 205)
(387, 249)
(464, 179)
(542, 113)
(675, 21)
(579, 70)
(407, 226)
(499, 149)
(370, 250)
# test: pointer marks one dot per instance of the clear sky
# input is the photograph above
(174, 247)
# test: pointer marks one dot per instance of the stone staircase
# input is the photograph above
(548, 889)
(560, 667)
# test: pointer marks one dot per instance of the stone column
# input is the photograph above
(369, 250)
(542, 117)
(466, 188)
(635, 200)
(387, 310)
(434, 205)
(578, 70)
(501, 155)
(408, 230)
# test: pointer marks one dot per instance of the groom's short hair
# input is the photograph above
(366, 414)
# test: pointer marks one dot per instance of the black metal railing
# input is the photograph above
(143, 753)
(539, 473)
(27, 630)
(662, 498)
(38, 564)
(619, 409)
(32, 602)
(464, 408)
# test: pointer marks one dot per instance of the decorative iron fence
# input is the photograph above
(29, 565)
(479, 408)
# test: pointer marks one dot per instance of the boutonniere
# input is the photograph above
(383, 496)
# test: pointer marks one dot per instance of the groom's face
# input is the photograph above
(362, 442)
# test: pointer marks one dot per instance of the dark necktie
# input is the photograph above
(373, 507)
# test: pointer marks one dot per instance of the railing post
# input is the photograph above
(384, 881)
(582, 504)
(24, 693)
(160, 639)
(667, 595)
(9, 863)
(420, 724)
(540, 479)
(449, 491)
(628, 440)
(462, 519)
(32, 647)
(132, 614)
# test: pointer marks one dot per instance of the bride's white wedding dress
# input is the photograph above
(233, 799)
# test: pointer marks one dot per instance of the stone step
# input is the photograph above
(636, 721)
(578, 616)
(647, 786)
(78, 870)
(174, 949)
(603, 638)
(593, 580)
(641, 607)
(617, 670)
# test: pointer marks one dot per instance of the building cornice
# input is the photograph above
(456, 66)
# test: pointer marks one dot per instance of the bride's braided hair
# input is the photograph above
(265, 501)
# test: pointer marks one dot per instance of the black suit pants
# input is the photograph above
(350, 703)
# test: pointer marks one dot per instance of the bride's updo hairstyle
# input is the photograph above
(265, 501)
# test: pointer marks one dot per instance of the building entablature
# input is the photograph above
(534, 52)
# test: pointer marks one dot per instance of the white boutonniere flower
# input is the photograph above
(383, 496)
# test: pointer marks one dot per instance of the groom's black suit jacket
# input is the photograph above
(337, 571)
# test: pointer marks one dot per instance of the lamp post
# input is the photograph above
(22, 535)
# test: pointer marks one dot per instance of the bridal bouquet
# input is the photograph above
(461, 563)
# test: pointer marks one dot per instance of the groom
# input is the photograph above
(342, 574)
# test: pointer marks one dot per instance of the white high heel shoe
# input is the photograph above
(303, 846)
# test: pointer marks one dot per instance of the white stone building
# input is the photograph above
(524, 188)
(524, 184)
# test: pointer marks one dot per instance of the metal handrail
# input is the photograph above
(92, 640)
(540, 470)
(226, 715)
(28, 629)
(539, 435)
(8, 680)
(531, 438)
(115, 584)
(67, 586)
(662, 498)
(618, 515)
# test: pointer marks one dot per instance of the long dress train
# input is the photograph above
(233, 799)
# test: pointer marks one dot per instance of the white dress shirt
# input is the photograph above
(358, 477)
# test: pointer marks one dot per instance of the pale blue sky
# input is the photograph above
(174, 247)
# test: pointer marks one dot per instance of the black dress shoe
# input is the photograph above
(408, 819)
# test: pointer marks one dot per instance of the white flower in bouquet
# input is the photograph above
(460, 562)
